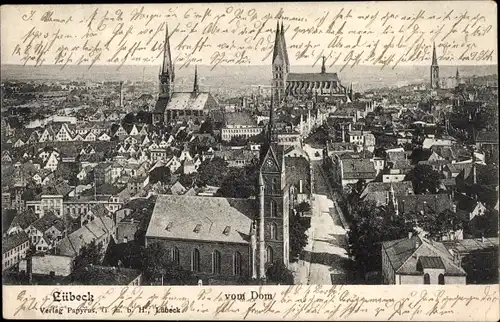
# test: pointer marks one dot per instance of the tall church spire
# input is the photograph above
(195, 86)
(167, 74)
(434, 56)
(434, 69)
(167, 66)
(323, 67)
(277, 42)
(283, 44)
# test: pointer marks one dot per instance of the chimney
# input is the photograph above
(300, 186)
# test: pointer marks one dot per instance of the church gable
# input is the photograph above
(270, 162)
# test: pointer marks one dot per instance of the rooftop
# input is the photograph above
(13, 241)
(203, 218)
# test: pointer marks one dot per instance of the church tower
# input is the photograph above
(167, 75)
(280, 65)
(273, 201)
(434, 69)
(196, 88)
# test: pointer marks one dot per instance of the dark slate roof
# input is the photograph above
(417, 203)
(297, 169)
(13, 241)
(487, 137)
(358, 169)
(47, 221)
(431, 262)
(24, 219)
(161, 105)
(312, 77)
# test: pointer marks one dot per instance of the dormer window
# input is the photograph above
(197, 228)
(227, 230)
(169, 226)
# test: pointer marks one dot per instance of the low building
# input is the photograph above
(239, 124)
(416, 260)
(14, 248)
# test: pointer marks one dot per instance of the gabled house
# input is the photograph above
(90, 137)
(52, 162)
(64, 134)
(104, 137)
(48, 135)
(133, 131)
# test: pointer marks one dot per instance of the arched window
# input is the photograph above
(175, 255)
(270, 255)
(427, 279)
(441, 279)
(237, 263)
(195, 260)
(274, 231)
(273, 211)
(216, 262)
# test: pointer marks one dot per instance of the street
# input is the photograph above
(325, 259)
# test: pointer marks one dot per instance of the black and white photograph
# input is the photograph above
(250, 144)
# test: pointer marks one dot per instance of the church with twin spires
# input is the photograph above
(286, 84)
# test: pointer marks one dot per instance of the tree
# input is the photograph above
(239, 183)
(207, 126)
(438, 225)
(278, 273)
(144, 117)
(424, 179)
(160, 174)
(303, 207)
(130, 118)
(212, 172)
(89, 254)
(298, 227)
(157, 264)
(188, 180)
(369, 227)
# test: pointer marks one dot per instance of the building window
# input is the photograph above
(441, 279)
(273, 208)
(270, 254)
(274, 231)
(195, 260)
(275, 185)
(427, 279)
(216, 262)
(237, 263)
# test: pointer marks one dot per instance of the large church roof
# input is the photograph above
(312, 77)
(183, 101)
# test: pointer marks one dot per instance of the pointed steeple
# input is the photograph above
(323, 67)
(195, 86)
(283, 44)
(277, 42)
(457, 76)
(167, 66)
(434, 56)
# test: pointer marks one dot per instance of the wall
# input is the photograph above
(126, 229)
(206, 249)
(410, 279)
(43, 265)
(454, 279)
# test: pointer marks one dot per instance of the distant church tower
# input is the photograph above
(273, 221)
(434, 69)
(280, 65)
(167, 75)
(196, 88)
